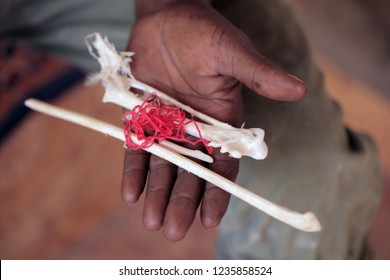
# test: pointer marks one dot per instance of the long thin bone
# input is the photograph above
(306, 222)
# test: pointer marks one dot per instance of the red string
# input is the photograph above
(154, 121)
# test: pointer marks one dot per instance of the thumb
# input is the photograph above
(251, 68)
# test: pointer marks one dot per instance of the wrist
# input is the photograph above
(144, 7)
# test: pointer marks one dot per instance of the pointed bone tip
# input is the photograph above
(29, 102)
(311, 223)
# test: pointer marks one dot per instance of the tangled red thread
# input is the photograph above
(154, 121)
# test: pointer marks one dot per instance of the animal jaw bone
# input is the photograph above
(117, 79)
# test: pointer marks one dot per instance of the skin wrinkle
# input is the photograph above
(219, 40)
(229, 80)
(129, 169)
(255, 84)
(153, 190)
(165, 49)
(181, 190)
(187, 199)
(161, 165)
(232, 62)
(217, 28)
(215, 100)
(140, 153)
(133, 176)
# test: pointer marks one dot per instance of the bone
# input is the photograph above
(305, 222)
(117, 79)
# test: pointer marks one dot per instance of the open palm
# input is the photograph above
(192, 53)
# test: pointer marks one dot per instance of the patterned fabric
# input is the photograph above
(29, 73)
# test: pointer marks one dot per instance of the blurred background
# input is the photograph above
(60, 183)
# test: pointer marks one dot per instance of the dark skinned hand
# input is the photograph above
(189, 51)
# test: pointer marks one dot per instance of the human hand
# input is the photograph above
(189, 51)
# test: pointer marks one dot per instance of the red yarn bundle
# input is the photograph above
(154, 121)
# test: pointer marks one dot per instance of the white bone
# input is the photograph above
(117, 80)
(305, 222)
